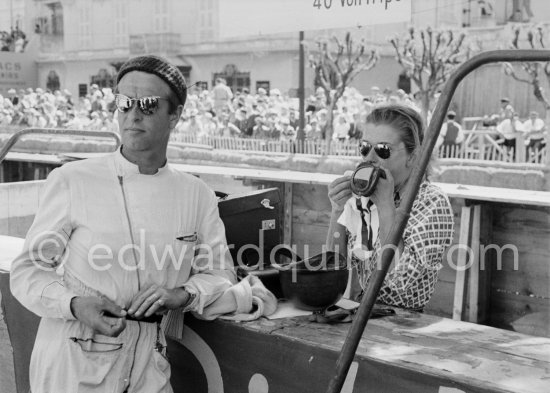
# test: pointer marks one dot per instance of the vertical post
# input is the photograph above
(287, 232)
(11, 14)
(520, 148)
(486, 262)
(481, 144)
(474, 279)
(301, 91)
(460, 282)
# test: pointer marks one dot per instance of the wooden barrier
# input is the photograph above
(518, 286)
(514, 289)
(408, 352)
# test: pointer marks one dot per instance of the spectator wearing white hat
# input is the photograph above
(12, 95)
(341, 128)
(288, 133)
(222, 95)
(535, 130)
(509, 129)
(192, 126)
(506, 109)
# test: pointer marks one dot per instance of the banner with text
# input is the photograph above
(240, 18)
(17, 71)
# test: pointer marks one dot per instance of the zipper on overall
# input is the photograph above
(158, 345)
(129, 222)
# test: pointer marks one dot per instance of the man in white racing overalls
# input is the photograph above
(117, 241)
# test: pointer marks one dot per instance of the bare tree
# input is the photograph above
(531, 71)
(336, 66)
(429, 58)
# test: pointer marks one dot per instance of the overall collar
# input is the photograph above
(125, 167)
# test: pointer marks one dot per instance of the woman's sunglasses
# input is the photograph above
(382, 150)
(147, 105)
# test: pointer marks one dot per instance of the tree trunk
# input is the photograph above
(333, 100)
(330, 120)
(425, 107)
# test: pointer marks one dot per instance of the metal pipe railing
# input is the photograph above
(396, 232)
(53, 131)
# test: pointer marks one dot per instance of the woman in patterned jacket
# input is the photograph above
(392, 139)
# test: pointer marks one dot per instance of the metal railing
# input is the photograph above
(53, 131)
(397, 229)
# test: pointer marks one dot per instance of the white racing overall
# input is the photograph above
(104, 229)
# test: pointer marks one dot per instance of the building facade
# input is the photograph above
(80, 42)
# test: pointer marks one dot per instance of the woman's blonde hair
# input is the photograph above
(404, 119)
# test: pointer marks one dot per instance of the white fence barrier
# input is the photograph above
(484, 145)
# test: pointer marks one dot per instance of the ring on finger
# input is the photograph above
(154, 297)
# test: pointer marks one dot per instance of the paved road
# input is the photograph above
(7, 379)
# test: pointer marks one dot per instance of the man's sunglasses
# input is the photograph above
(382, 150)
(147, 105)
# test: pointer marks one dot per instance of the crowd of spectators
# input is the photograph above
(14, 41)
(274, 116)
(218, 112)
(264, 115)
(44, 109)
(509, 126)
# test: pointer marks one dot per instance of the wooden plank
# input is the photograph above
(441, 302)
(476, 193)
(485, 276)
(409, 352)
(492, 194)
(38, 158)
(527, 272)
(310, 217)
(473, 296)
(458, 300)
(508, 308)
(288, 205)
(311, 197)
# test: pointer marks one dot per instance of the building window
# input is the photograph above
(52, 84)
(85, 26)
(263, 85)
(447, 13)
(161, 16)
(234, 78)
(120, 24)
(82, 89)
(103, 79)
(206, 20)
(202, 85)
(57, 18)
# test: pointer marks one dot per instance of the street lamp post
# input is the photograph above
(300, 135)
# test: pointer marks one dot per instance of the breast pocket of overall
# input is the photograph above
(185, 247)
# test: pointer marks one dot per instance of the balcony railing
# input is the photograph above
(52, 43)
(154, 43)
